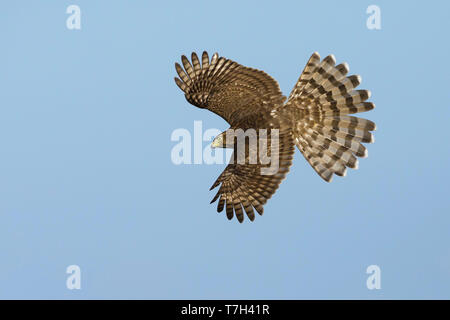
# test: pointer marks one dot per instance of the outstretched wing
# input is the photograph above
(227, 88)
(246, 186)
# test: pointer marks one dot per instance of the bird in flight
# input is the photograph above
(315, 118)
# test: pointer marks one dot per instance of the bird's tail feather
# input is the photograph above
(320, 104)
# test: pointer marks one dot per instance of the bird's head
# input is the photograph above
(223, 140)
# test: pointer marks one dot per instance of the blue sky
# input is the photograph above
(86, 176)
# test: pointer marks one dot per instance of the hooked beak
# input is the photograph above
(215, 143)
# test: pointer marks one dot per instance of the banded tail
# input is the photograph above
(321, 103)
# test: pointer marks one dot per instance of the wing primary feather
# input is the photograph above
(196, 64)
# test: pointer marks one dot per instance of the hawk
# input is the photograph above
(315, 118)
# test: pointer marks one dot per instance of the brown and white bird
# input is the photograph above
(315, 118)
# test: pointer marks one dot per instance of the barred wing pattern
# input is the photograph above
(227, 88)
(244, 186)
(321, 101)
